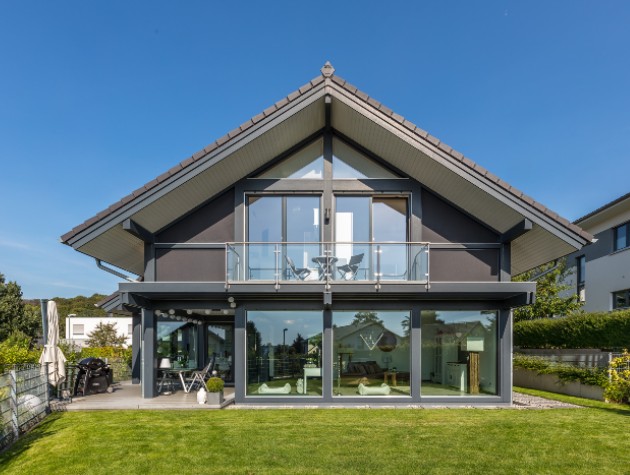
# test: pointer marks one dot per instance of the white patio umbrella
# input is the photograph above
(52, 354)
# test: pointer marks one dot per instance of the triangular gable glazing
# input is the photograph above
(349, 164)
(308, 163)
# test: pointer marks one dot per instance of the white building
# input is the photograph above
(78, 329)
(601, 271)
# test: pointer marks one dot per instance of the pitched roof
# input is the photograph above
(358, 116)
(601, 209)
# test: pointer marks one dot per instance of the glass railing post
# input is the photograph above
(277, 265)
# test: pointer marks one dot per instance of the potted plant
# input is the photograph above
(215, 386)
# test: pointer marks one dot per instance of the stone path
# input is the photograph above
(525, 401)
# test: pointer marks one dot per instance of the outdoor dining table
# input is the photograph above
(169, 374)
(325, 265)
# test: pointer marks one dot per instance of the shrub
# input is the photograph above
(565, 372)
(215, 385)
(618, 389)
(589, 330)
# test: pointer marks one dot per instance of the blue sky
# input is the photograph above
(98, 98)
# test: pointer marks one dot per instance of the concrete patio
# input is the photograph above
(128, 396)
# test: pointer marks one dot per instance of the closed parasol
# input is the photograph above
(52, 354)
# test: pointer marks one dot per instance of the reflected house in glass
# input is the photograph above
(328, 251)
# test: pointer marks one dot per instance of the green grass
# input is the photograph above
(314, 441)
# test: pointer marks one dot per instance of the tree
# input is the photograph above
(105, 335)
(363, 318)
(550, 284)
(13, 315)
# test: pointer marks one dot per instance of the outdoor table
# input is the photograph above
(325, 265)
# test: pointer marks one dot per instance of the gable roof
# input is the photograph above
(299, 115)
(618, 205)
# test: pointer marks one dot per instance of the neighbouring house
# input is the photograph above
(328, 251)
(78, 329)
(601, 271)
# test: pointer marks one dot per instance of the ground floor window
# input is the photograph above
(459, 353)
(371, 353)
(177, 342)
(621, 299)
(284, 353)
(375, 353)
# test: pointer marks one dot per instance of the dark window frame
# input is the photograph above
(616, 229)
(626, 294)
(580, 264)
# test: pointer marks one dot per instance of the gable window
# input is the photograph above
(581, 273)
(348, 163)
(621, 299)
(307, 163)
(622, 236)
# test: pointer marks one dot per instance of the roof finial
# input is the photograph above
(327, 70)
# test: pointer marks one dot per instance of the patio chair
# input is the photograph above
(300, 273)
(199, 377)
(349, 271)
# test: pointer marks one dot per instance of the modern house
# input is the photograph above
(328, 251)
(78, 329)
(601, 271)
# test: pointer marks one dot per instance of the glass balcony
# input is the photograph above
(326, 262)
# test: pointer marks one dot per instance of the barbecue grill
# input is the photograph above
(93, 376)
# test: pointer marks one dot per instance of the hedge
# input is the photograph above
(603, 330)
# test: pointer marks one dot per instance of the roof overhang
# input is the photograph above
(290, 121)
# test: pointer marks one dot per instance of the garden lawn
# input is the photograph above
(310, 441)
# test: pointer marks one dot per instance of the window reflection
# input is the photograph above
(371, 353)
(459, 353)
(177, 341)
(284, 353)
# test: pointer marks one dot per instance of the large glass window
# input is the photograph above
(221, 348)
(348, 163)
(285, 231)
(177, 341)
(308, 163)
(371, 353)
(284, 353)
(459, 353)
(373, 229)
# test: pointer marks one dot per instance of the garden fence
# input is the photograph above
(24, 400)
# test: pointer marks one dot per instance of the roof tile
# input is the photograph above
(258, 118)
(445, 147)
(305, 88)
(456, 155)
(139, 192)
(210, 147)
(373, 102)
(432, 139)
(282, 102)
(221, 140)
(186, 163)
(385, 110)
(176, 169)
(269, 110)
(197, 155)
(349, 87)
(233, 133)
(398, 118)
(338, 80)
(317, 81)
(293, 96)
(362, 95)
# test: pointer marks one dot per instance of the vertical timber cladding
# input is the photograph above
(443, 223)
(213, 222)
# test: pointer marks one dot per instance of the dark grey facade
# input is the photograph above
(328, 252)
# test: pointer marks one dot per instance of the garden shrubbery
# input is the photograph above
(618, 390)
(564, 371)
(601, 330)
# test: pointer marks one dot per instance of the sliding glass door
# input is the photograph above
(371, 232)
(285, 233)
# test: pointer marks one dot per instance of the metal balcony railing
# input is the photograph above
(326, 262)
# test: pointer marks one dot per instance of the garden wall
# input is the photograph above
(549, 382)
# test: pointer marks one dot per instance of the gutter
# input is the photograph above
(114, 272)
